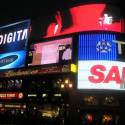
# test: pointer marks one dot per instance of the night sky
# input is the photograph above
(15, 11)
(42, 11)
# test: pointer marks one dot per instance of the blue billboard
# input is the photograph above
(101, 61)
(13, 44)
(101, 46)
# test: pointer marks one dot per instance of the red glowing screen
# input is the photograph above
(85, 18)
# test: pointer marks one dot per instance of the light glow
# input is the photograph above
(51, 52)
(107, 78)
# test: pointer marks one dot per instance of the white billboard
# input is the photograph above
(98, 74)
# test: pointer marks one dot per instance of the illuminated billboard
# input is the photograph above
(11, 95)
(101, 61)
(13, 45)
(52, 52)
(85, 17)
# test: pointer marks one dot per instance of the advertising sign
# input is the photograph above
(56, 51)
(11, 95)
(85, 17)
(13, 44)
(101, 61)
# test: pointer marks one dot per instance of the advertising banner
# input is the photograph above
(13, 44)
(52, 52)
(101, 61)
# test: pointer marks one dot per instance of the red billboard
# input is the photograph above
(85, 18)
(11, 95)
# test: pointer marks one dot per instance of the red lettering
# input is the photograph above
(99, 74)
(113, 75)
(123, 76)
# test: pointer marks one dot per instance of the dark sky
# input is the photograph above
(19, 10)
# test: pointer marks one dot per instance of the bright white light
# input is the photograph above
(62, 86)
(44, 95)
(105, 20)
(84, 71)
(32, 95)
(70, 85)
(66, 81)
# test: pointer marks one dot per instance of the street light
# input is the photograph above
(62, 86)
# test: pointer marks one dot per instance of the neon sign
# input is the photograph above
(11, 95)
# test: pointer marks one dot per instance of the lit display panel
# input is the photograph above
(84, 18)
(51, 52)
(101, 61)
(13, 45)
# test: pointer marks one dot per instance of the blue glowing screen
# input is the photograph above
(13, 44)
(101, 46)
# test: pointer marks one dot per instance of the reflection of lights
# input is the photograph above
(13, 112)
(12, 106)
(24, 106)
(57, 95)
(2, 109)
(1, 105)
(70, 85)
(106, 118)
(90, 100)
(109, 100)
(20, 95)
(34, 107)
(62, 86)
(86, 118)
(32, 95)
(66, 81)
(50, 113)
(44, 95)
(22, 112)
(89, 117)
(66, 84)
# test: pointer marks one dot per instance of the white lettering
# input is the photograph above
(120, 43)
(5, 36)
(9, 38)
(24, 35)
(19, 34)
(1, 39)
(13, 36)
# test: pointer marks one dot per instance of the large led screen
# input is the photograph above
(13, 45)
(101, 61)
(50, 52)
(85, 17)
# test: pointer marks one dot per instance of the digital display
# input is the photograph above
(13, 44)
(85, 17)
(57, 51)
(101, 60)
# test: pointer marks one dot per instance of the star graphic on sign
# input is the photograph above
(103, 46)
